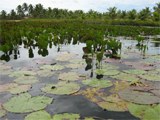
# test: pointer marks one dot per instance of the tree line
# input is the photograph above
(38, 11)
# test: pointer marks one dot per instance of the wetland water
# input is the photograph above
(34, 69)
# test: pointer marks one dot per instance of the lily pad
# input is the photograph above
(113, 103)
(107, 72)
(62, 88)
(90, 93)
(65, 56)
(52, 67)
(135, 71)
(97, 83)
(14, 88)
(24, 103)
(2, 111)
(22, 73)
(26, 80)
(40, 115)
(145, 112)
(89, 118)
(5, 69)
(66, 116)
(109, 66)
(126, 77)
(119, 86)
(151, 77)
(70, 76)
(74, 66)
(45, 73)
(43, 115)
(139, 97)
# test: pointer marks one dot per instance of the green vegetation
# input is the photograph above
(112, 13)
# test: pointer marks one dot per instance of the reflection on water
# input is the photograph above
(32, 49)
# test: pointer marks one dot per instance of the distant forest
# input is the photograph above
(38, 11)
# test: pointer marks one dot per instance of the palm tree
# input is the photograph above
(20, 11)
(13, 15)
(112, 12)
(3, 14)
(144, 13)
(30, 10)
(132, 14)
(25, 7)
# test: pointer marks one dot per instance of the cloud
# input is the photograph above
(99, 5)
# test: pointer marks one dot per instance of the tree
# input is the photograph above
(38, 11)
(123, 14)
(13, 15)
(132, 14)
(3, 14)
(144, 13)
(156, 13)
(112, 12)
(25, 7)
(20, 11)
(30, 10)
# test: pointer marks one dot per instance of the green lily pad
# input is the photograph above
(45, 73)
(77, 61)
(26, 80)
(113, 103)
(97, 83)
(14, 88)
(107, 72)
(74, 66)
(89, 118)
(2, 111)
(22, 73)
(40, 115)
(70, 76)
(43, 115)
(139, 97)
(151, 77)
(152, 113)
(24, 103)
(126, 77)
(135, 72)
(52, 67)
(109, 67)
(65, 56)
(5, 69)
(66, 116)
(61, 88)
(145, 112)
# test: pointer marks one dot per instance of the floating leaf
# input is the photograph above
(145, 112)
(151, 77)
(26, 80)
(89, 118)
(135, 72)
(61, 88)
(66, 116)
(22, 73)
(65, 56)
(24, 103)
(45, 73)
(40, 115)
(43, 115)
(90, 93)
(97, 83)
(2, 111)
(119, 85)
(14, 88)
(107, 72)
(70, 76)
(5, 69)
(109, 66)
(113, 103)
(139, 97)
(73, 66)
(137, 110)
(126, 77)
(52, 67)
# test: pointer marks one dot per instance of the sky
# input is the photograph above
(98, 5)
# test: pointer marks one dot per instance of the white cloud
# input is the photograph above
(100, 5)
